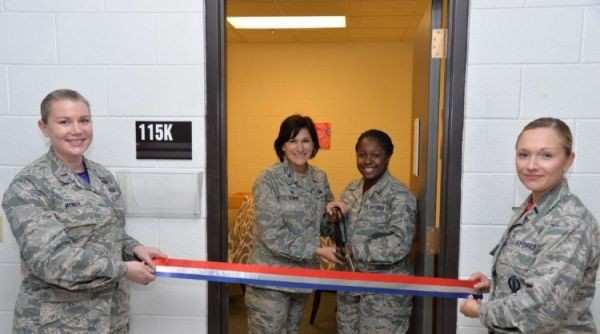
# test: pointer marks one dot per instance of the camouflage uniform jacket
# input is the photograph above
(549, 257)
(72, 242)
(381, 225)
(289, 216)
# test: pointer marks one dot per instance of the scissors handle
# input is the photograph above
(349, 262)
(341, 238)
(340, 229)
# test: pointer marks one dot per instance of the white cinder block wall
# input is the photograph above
(134, 60)
(144, 60)
(526, 59)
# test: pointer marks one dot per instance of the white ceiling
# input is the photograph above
(367, 20)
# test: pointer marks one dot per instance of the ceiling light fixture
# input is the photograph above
(287, 22)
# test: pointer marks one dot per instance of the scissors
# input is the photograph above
(341, 238)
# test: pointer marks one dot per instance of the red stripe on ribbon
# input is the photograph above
(330, 274)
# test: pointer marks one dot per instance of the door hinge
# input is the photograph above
(438, 43)
(432, 243)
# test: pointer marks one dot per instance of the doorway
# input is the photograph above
(446, 129)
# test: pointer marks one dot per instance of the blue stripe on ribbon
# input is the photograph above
(319, 286)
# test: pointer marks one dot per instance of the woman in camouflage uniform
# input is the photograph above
(289, 199)
(544, 267)
(380, 214)
(68, 218)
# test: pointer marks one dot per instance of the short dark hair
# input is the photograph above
(381, 137)
(561, 128)
(58, 95)
(289, 129)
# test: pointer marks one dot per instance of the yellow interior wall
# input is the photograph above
(354, 86)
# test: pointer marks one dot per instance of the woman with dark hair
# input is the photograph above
(380, 215)
(289, 199)
(544, 267)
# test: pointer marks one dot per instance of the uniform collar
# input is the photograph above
(552, 197)
(546, 202)
(58, 167)
(63, 172)
(292, 177)
(381, 184)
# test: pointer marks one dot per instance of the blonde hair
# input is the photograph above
(561, 128)
(58, 95)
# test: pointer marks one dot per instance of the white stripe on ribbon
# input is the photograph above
(321, 280)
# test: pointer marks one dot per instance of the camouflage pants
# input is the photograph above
(372, 313)
(274, 312)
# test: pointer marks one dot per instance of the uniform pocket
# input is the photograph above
(79, 226)
(378, 216)
(519, 255)
(72, 318)
(75, 212)
(292, 205)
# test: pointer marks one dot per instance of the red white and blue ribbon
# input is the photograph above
(261, 275)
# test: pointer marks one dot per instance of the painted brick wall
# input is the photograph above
(526, 59)
(134, 60)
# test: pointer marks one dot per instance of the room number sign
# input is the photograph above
(163, 140)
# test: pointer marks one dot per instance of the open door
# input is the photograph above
(438, 113)
(424, 184)
(438, 93)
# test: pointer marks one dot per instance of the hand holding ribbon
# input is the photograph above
(262, 275)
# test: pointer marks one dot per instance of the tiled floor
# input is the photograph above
(324, 323)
